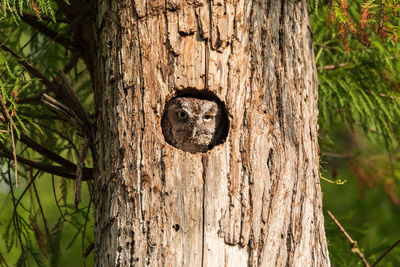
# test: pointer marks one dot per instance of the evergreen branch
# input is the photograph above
(7, 117)
(27, 187)
(32, 144)
(14, 216)
(63, 89)
(56, 170)
(14, 152)
(34, 71)
(41, 212)
(47, 153)
(30, 15)
(55, 198)
(49, 33)
(353, 244)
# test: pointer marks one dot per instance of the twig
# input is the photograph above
(15, 215)
(55, 198)
(7, 117)
(14, 153)
(41, 212)
(332, 67)
(385, 253)
(79, 168)
(328, 46)
(353, 244)
(86, 252)
(27, 187)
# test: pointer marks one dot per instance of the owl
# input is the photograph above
(193, 124)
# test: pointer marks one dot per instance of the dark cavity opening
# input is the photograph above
(195, 121)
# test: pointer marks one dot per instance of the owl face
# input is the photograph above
(191, 123)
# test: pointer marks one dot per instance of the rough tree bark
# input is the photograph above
(254, 200)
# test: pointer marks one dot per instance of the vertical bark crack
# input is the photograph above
(203, 161)
(142, 128)
(281, 70)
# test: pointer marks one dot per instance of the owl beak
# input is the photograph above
(194, 131)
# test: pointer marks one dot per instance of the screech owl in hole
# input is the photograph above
(193, 124)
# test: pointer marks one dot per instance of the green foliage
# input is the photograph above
(362, 91)
(359, 104)
(370, 218)
(359, 87)
(40, 226)
(17, 7)
(362, 19)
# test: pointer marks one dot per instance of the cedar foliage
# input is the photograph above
(357, 56)
(358, 71)
(360, 86)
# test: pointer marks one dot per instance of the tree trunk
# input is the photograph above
(254, 200)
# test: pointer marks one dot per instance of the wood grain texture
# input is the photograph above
(254, 200)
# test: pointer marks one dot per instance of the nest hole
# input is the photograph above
(195, 121)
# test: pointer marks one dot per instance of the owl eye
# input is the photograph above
(208, 118)
(182, 115)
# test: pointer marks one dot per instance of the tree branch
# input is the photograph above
(56, 170)
(353, 244)
(48, 153)
(34, 71)
(61, 88)
(72, 63)
(44, 18)
(34, 100)
(31, 21)
(32, 144)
